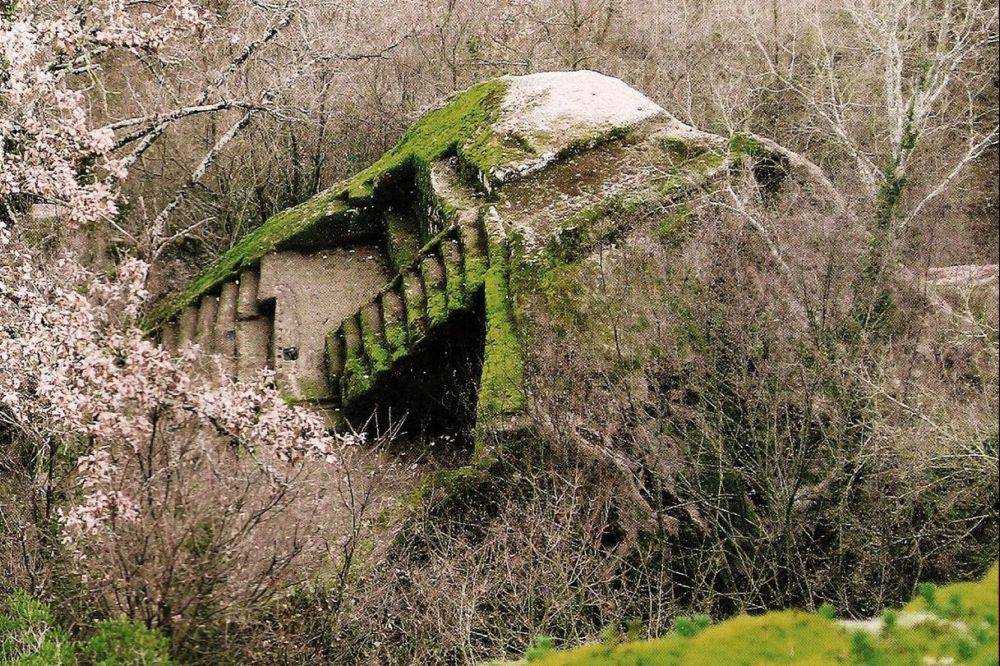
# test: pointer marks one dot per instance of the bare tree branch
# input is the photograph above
(158, 225)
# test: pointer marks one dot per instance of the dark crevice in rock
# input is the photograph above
(433, 390)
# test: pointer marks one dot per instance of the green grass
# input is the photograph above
(955, 624)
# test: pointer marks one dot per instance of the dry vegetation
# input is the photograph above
(706, 442)
(764, 415)
(317, 91)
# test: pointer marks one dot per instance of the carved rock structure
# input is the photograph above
(387, 288)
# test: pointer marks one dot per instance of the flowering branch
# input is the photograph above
(142, 447)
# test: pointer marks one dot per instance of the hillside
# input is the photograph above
(658, 359)
(516, 332)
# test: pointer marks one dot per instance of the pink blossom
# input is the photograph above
(78, 367)
(51, 152)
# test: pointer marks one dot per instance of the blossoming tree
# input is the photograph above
(50, 151)
(168, 495)
(165, 497)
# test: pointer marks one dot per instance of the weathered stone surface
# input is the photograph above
(168, 336)
(253, 347)
(246, 302)
(416, 301)
(452, 256)
(187, 325)
(313, 293)
(225, 330)
(502, 181)
(553, 112)
(205, 331)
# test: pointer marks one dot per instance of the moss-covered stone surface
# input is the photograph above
(342, 213)
(476, 204)
(501, 390)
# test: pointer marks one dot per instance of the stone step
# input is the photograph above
(454, 270)
(416, 303)
(247, 306)
(394, 318)
(474, 248)
(402, 239)
(225, 330)
(253, 346)
(432, 272)
(354, 349)
(373, 336)
(357, 368)
(472, 233)
(253, 329)
(187, 323)
(168, 336)
(205, 331)
(449, 184)
(334, 357)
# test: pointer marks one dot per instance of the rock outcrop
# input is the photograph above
(380, 290)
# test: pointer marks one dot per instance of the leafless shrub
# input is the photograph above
(222, 532)
(718, 433)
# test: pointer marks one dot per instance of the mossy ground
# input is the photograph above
(954, 624)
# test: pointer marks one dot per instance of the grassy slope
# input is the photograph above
(952, 624)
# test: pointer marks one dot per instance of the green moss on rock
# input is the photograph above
(402, 241)
(377, 352)
(501, 389)
(396, 336)
(672, 227)
(744, 144)
(310, 391)
(463, 125)
(437, 305)
(448, 484)
(413, 293)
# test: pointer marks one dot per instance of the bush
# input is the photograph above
(540, 647)
(124, 642)
(29, 635)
